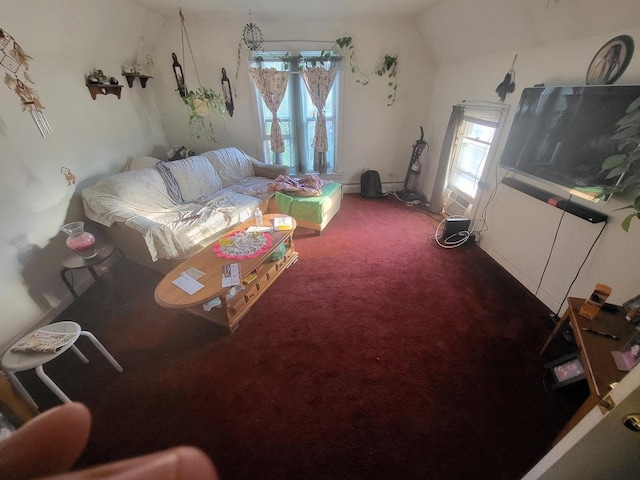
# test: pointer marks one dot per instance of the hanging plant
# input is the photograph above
(388, 67)
(202, 103)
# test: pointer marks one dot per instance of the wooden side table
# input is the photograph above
(76, 262)
(595, 353)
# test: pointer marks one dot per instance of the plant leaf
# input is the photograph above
(634, 105)
(615, 172)
(629, 119)
(627, 132)
(613, 161)
(626, 223)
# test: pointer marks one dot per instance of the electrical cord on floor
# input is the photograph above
(409, 203)
(452, 241)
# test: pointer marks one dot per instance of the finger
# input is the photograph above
(180, 463)
(47, 444)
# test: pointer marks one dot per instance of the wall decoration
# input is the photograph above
(226, 91)
(12, 58)
(179, 75)
(611, 61)
(508, 85)
(252, 36)
(69, 177)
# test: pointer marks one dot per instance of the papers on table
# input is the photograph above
(283, 223)
(187, 283)
(259, 229)
(231, 275)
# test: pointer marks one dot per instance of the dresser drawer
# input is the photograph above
(251, 292)
(271, 271)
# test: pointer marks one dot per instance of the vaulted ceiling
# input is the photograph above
(299, 8)
(454, 30)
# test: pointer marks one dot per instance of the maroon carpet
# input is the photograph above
(377, 355)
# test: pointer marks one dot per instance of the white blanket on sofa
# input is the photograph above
(212, 203)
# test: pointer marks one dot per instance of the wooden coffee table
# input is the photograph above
(232, 308)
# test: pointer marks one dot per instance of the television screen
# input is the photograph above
(563, 135)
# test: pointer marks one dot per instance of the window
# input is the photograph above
(472, 146)
(297, 116)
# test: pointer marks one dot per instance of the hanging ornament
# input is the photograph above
(12, 58)
(508, 85)
(226, 91)
(252, 35)
(177, 72)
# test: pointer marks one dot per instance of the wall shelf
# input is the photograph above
(132, 76)
(96, 89)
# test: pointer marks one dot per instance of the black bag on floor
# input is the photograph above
(370, 186)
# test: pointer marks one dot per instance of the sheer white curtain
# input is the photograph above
(272, 85)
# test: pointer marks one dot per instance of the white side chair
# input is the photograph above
(20, 361)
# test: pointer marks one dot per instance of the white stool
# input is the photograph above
(20, 361)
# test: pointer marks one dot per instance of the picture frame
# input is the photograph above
(632, 310)
(610, 62)
(632, 304)
(629, 356)
(566, 370)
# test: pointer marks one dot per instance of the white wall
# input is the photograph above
(67, 39)
(521, 228)
(372, 134)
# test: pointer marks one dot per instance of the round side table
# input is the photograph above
(76, 262)
(21, 361)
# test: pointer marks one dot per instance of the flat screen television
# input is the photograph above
(563, 135)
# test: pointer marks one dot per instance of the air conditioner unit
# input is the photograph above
(455, 205)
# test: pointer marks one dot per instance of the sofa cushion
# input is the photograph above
(121, 196)
(195, 177)
(232, 165)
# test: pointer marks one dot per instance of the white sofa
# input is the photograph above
(158, 216)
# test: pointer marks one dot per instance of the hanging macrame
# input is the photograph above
(201, 102)
(12, 58)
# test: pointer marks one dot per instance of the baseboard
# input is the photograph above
(529, 283)
(386, 187)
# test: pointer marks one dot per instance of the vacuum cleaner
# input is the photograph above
(410, 188)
